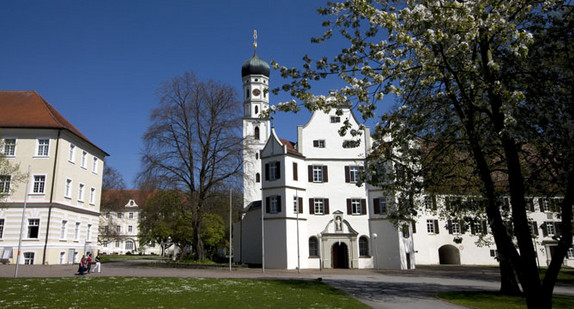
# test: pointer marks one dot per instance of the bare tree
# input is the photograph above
(114, 195)
(193, 143)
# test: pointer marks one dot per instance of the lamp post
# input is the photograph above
(298, 249)
(22, 222)
(375, 249)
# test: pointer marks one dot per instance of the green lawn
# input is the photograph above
(153, 292)
(491, 300)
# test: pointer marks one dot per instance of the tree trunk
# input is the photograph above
(508, 282)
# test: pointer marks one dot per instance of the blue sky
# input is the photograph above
(99, 63)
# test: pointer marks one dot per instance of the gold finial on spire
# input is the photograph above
(255, 40)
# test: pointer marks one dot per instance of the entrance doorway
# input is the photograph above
(449, 254)
(340, 255)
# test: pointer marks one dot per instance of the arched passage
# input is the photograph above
(449, 254)
(340, 255)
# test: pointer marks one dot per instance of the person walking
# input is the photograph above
(97, 260)
(89, 262)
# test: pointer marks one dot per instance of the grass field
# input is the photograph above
(153, 292)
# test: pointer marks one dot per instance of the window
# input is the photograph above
(273, 204)
(117, 243)
(77, 231)
(1, 228)
(455, 227)
(297, 204)
(313, 246)
(494, 253)
(530, 204)
(33, 228)
(39, 184)
(364, 246)
(72, 153)
(544, 205)
(9, 147)
(131, 215)
(478, 227)
(319, 206)
(318, 173)
(533, 227)
(295, 172)
(549, 228)
(129, 245)
(28, 258)
(81, 192)
(105, 244)
(319, 143)
(257, 178)
(272, 171)
(380, 206)
(63, 229)
(68, 188)
(107, 215)
(130, 228)
(406, 230)
(352, 173)
(356, 206)
(92, 196)
(84, 159)
(570, 253)
(95, 165)
(89, 232)
(257, 132)
(120, 215)
(432, 226)
(5, 183)
(118, 229)
(43, 147)
(335, 119)
(430, 202)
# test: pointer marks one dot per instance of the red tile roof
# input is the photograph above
(290, 147)
(27, 109)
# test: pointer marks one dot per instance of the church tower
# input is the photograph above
(256, 130)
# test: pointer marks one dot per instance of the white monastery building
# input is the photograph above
(63, 183)
(119, 228)
(303, 208)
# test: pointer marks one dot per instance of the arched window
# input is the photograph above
(256, 131)
(247, 93)
(129, 245)
(363, 246)
(256, 109)
(257, 177)
(256, 156)
(313, 246)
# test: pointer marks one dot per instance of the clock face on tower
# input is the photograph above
(256, 92)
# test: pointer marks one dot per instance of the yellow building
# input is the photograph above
(63, 183)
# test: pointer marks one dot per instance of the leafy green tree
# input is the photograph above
(10, 174)
(467, 79)
(212, 234)
(166, 220)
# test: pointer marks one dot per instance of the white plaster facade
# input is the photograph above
(438, 241)
(123, 236)
(307, 239)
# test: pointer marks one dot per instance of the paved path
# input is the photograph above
(379, 289)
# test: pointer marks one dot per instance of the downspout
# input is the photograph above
(51, 196)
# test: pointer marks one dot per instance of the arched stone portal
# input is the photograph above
(449, 254)
(340, 255)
